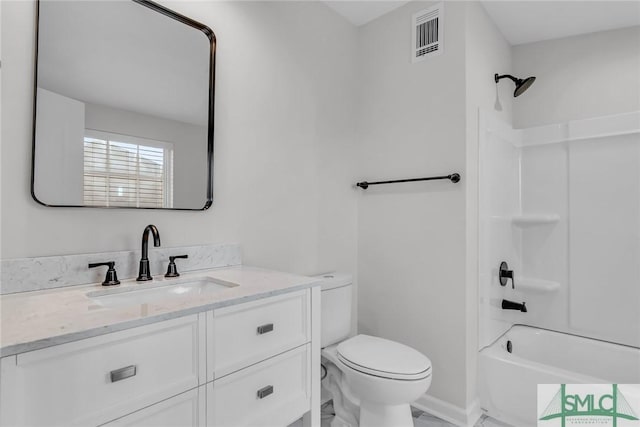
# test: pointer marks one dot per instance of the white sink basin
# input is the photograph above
(154, 292)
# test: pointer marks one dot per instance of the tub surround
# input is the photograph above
(569, 235)
(34, 274)
(39, 319)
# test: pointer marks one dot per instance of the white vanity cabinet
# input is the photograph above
(95, 380)
(249, 364)
(259, 358)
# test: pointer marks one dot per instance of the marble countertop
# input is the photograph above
(35, 320)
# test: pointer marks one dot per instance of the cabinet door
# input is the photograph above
(184, 410)
(92, 381)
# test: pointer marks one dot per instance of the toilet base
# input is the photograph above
(363, 400)
(376, 415)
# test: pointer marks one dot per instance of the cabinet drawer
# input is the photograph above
(247, 333)
(271, 393)
(95, 380)
(184, 410)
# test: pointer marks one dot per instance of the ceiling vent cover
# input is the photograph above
(427, 33)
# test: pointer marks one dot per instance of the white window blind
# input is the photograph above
(128, 171)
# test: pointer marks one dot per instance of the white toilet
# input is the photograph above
(371, 380)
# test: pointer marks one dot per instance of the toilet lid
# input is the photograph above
(383, 358)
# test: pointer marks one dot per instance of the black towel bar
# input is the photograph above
(454, 177)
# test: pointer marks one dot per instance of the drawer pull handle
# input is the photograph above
(265, 391)
(123, 373)
(265, 328)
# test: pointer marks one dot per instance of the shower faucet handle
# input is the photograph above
(504, 274)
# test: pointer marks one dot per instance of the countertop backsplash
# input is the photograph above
(33, 274)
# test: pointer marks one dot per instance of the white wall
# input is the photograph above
(411, 237)
(132, 59)
(579, 77)
(284, 110)
(59, 160)
(1, 134)
(417, 243)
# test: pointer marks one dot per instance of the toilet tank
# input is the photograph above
(336, 308)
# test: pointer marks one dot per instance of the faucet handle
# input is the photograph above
(504, 274)
(172, 270)
(112, 277)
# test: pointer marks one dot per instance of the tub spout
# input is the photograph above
(510, 305)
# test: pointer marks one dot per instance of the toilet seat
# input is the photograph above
(383, 358)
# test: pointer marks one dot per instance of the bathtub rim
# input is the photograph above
(557, 332)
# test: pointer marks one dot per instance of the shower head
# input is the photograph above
(521, 84)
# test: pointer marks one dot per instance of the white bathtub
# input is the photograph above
(508, 381)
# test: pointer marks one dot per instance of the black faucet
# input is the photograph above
(111, 278)
(144, 274)
(172, 270)
(504, 274)
(510, 305)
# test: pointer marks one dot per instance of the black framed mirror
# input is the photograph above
(123, 106)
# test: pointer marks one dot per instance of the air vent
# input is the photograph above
(427, 33)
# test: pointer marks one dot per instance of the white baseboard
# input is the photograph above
(454, 414)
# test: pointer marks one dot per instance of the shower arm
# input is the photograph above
(497, 78)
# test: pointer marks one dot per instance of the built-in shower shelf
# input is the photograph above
(529, 284)
(535, 219)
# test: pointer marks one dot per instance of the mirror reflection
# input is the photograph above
(124, 92)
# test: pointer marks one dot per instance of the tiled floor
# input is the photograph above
(485, 421)
(420, 419)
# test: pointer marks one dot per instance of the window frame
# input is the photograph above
(167, 167)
